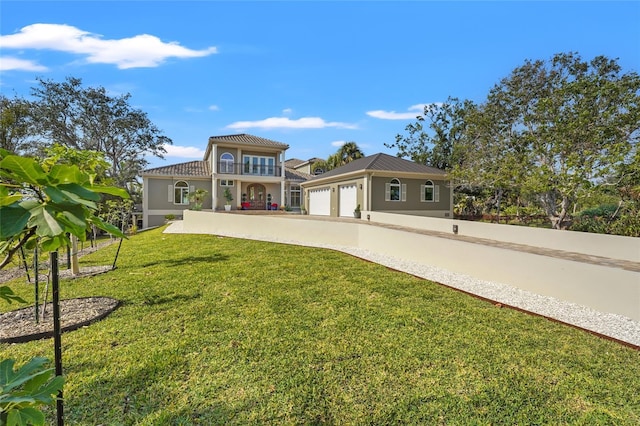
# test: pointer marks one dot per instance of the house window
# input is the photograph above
(429, 192)
(295, 196)
(181, 193)
(395, 191)
(226, 182)
(318, 171)
(226, 163)
(258, 165)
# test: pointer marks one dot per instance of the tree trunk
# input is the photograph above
(559, 219)
(75, 267)
(499, 193)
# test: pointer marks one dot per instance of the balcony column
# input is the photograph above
(282, 181)
(214, 193)
(214, 181)
(214, 159)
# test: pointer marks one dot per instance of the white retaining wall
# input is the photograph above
(602, 288)
(612, 246)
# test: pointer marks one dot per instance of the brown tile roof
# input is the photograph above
(190, 168)
(293, 162)
(244, 139)
(382, 162)
(292, 174)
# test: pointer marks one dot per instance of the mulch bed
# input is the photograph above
(19, 326)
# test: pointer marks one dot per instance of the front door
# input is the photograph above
(257, 196)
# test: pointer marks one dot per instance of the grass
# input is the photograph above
(226, 331)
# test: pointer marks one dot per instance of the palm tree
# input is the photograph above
(346, 154)
(349, 152)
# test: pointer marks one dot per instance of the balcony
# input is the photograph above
(226, 168)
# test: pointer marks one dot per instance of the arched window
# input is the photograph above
(226, 163)
(429, 192)
(395, 191)
(181, 192)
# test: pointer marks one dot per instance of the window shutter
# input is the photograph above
(403, 196)
(387, 191)
(170, 194)
(436, 193)
(422, 188)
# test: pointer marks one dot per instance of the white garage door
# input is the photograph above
(320, 202)
(348, 200)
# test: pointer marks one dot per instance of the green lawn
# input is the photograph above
(224, 331)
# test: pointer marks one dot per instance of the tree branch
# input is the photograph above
(13, 251)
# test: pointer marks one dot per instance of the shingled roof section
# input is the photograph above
(191, 168)
(383, 162)
(244, 139)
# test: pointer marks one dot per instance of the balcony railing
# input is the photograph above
(248, 169)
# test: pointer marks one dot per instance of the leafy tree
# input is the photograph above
(432, 139)
(16, 126)
(345, 154)
(25, 390)
(348, 152)
(43, 203)
(197, 198)
(554, 130)
(91, 119)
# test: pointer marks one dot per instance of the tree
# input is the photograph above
(432, 139)
(563, 126)
(197, 198)
(90, 119)
(40, 205)
(16, 126)
(348, 152)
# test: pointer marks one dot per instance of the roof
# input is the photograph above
(382, 162)
(292, 174)
(244, 139)
(190, 168)
(293, 162)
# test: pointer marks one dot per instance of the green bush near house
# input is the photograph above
(217, 330)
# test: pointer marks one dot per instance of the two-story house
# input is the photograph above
(250, 167)
(256, 175)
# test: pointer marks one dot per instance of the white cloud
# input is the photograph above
(214, 108)
(8, 63)
(338, 144)
(287, 111)
(287, 123)
(134, 52)
(413, 111)
(183, 151)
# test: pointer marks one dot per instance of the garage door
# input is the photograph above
(320, 202)
(348, 200)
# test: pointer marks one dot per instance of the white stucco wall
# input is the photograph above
(602, 288)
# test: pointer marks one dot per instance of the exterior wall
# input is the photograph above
(611, 246)
(157, 220)
(335, 191)
(413, 202)
(156, 202)
(602, 288)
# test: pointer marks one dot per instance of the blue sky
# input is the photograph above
(310, 74)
